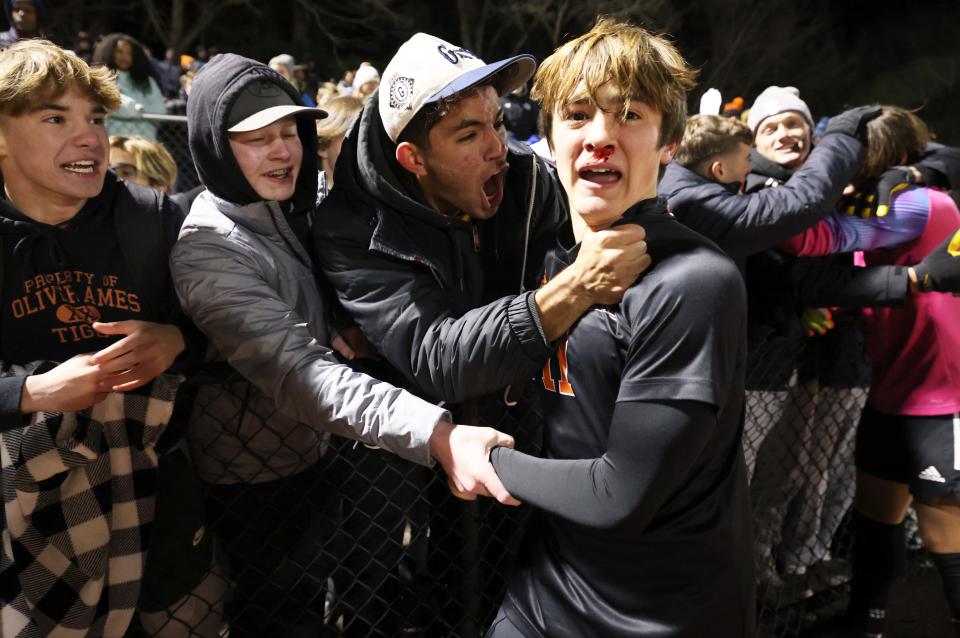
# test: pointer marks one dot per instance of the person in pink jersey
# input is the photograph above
(908, 440)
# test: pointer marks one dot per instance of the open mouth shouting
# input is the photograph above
(601, 174)
(492, 189)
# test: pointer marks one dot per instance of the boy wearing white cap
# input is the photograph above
(245, 277)
(435, 234)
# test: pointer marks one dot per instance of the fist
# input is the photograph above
(611, 260)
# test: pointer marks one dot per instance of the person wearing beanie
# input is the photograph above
(746, 226)
(259, 442)
(283, 64)
(286, 65)
(909, 430)
(782, 126)
(774, 100)
(365, 81)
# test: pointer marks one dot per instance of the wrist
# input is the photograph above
(561, 301)
(570, 284)
(180, 343)
(440, 441)
(30, 394)
(912, 277)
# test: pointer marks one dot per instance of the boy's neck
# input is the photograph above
(44, 212)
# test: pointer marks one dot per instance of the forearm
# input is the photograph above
(842, 233)
(270, 344)
(407, 316)
(765, 218)
(940, 166)
(452, 359)
(560, 302)
(651, 449)
(332, 397)
(824, 284)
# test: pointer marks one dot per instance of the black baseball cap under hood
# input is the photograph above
(215, 89)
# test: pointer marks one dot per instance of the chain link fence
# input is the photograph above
(171, 131)
(382, 548)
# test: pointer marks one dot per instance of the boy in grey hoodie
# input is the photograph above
(243, 274)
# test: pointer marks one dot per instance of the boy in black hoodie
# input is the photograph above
(86, 290)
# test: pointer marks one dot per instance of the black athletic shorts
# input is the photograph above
(181, 547)
(921, 451)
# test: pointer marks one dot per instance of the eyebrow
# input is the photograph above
(617, 100)
(60, 108)
(50, 106)
(468, 123)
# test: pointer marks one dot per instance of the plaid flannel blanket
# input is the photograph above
(78, 502)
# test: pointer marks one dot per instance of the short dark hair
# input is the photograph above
(417, 130)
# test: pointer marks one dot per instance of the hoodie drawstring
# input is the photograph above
(24, 250)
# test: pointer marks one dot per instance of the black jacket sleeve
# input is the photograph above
(651, 451)
(11, 389)
(746, 224)
(445, 356)
(823, 282)
(940, 166)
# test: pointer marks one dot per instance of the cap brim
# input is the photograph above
(516, 71)
(268, 116)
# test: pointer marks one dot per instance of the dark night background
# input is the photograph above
(836, 52)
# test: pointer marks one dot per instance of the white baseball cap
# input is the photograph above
(427, 69)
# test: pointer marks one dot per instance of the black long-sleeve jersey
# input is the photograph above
(643, 526)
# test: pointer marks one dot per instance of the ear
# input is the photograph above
(666, 152)
(411, 158)
(716, 171)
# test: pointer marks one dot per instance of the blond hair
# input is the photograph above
(151, 159)
(707, 136)
(640, 65)
(341, 112)
(35, 70)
